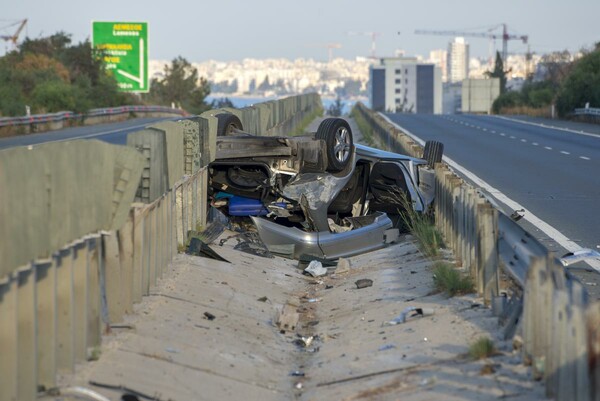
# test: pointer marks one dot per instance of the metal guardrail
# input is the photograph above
(70, 115)
(590, 111)
(517, 248)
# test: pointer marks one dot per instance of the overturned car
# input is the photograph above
(318, 195)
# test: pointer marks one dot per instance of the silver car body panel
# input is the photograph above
(325, 244)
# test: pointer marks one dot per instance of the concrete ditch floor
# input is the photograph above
(174, 352)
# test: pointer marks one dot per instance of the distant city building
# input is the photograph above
(458, 60)
(478, 95)
(403, 84)
(439, 57)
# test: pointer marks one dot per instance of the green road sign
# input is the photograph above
(124, 46)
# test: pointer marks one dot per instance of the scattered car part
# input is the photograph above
(517, 215)
(316, 269)
(579, 256)
(363, 283)
(410, 311)
(197, 247)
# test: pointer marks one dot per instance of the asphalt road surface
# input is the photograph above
(115, 133)
(552, 172)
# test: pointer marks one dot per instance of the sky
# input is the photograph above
(227, 30)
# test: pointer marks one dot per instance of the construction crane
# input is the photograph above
(505, 36)
(13, 38)
(373, 36)
(330, 47)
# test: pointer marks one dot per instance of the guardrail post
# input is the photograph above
(94, 327)
(9, 337)
(579, 341)
(138, 253)
(80, 294)
(555, 383)
(46, 322)
(488, 279)
(126, 251)
(152, 242)
(593, 335)
(27, 332)
(147, 247)
(460, 241)
(113, 278)
(531, 305)
(64, 307)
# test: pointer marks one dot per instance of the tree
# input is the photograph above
(581, 86)
(181, 86)
(50, 74)
(499, 72)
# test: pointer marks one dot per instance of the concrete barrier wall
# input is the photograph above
(560, 328)
(55, 193)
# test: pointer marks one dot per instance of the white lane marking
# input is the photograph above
(524, 140)
(512, 137)
(546, 228)
(565, 153)
(502, 134)
(547, 147)
(548, 126)
(584, 158)
(493, 132)
(485, 129)
(535, 144)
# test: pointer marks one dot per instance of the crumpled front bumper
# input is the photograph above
(294, 242)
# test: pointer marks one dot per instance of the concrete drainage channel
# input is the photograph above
(258, 328)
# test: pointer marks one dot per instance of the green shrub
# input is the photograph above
(482, 348)
(447, 279)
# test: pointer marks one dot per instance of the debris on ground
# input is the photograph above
(363, 283)
(316, 269)
(197, 247)
(209, 316)
(287, 318)
(410, 311)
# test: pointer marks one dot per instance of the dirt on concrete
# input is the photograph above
(209, 331)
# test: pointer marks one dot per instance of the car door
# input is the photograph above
(391, 190)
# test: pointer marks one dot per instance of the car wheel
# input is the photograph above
(338, 137)
(228, 124)
(433, 152)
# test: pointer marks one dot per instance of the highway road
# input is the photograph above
(553, 173)
(112, 132)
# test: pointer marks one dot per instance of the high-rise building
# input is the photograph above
(403, 84)
(458, 60)
(439, 57)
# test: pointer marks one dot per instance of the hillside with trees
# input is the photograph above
(566, 83)
(51, 74)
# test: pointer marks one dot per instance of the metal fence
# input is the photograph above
(70, 115)
(560, 328)
(589, 111)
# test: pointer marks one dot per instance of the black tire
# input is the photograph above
(228, 124)
(337, 135)
(433, 152)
